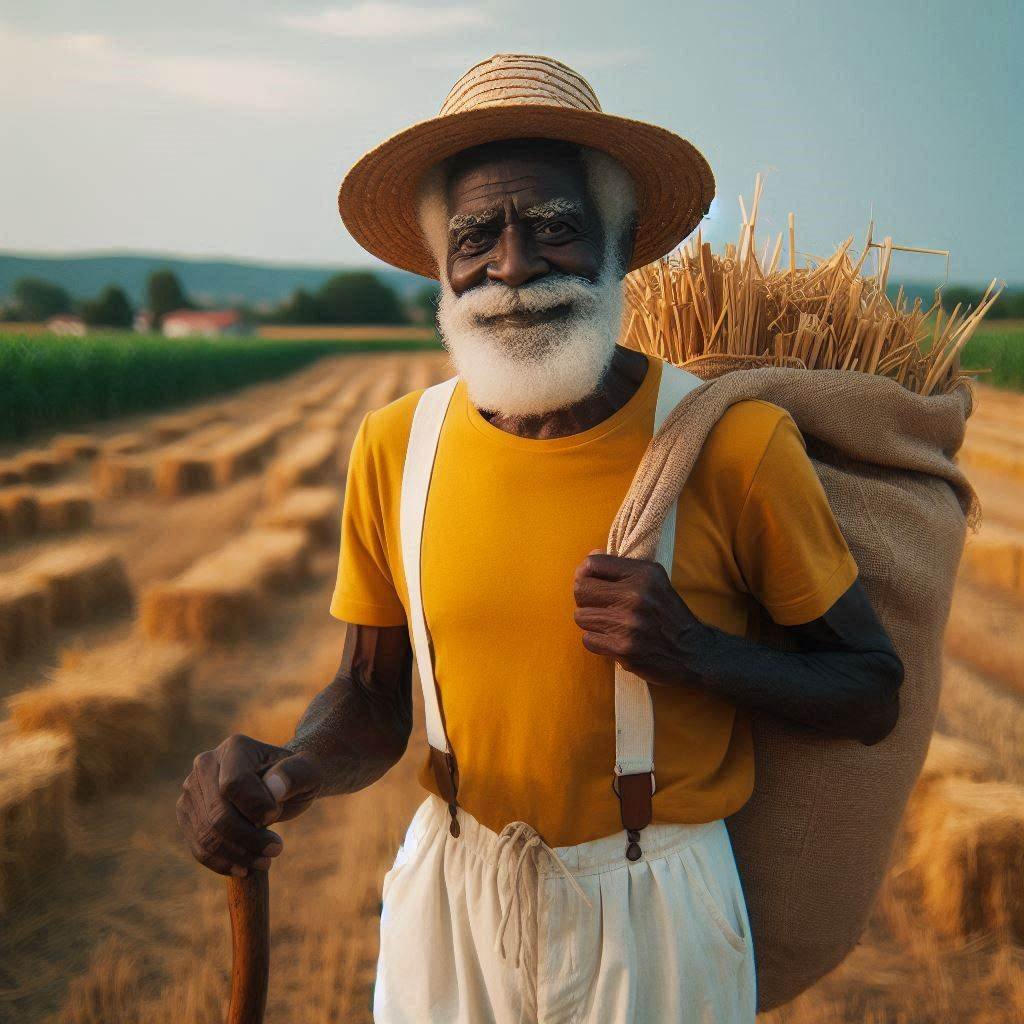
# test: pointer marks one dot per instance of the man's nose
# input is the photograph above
(516, 259)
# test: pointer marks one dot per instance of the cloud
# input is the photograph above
(382, 20)
(75, 61)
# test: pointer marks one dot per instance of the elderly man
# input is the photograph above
(527, 888)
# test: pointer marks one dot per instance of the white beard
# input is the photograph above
(527, 371)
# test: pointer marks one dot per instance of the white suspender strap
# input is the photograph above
(419, 464)
(634, 712)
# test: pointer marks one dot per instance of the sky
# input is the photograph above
(222, 128)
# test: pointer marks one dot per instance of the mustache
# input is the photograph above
(495, 299)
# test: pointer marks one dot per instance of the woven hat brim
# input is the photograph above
(377, 199)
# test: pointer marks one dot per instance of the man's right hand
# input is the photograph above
(236, 789)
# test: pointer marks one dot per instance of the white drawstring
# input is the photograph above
(520, 896)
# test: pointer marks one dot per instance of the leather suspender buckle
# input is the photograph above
(446, 775)
(635, 804)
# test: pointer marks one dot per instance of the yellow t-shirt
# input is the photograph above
(530, 712)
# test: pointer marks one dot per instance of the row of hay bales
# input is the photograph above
(104, 717)
(66, 586)
(26, 510)
(110, 714)
(964, 832)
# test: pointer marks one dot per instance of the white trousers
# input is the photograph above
(598, 939)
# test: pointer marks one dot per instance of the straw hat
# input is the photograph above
(514, 95)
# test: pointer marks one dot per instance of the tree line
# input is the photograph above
(348, 297)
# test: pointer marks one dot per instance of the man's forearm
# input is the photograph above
(842, 693)
(355, 734)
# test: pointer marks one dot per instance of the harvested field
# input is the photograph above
(142, 930)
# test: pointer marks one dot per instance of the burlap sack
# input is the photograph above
(814, 841)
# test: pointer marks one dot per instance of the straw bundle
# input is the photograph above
(305, 462)
(36, 779)
(19, 512)
(712, 313)
(39, 466)
(226, 594)
(115, 476)
(25, 618)
(968, 851)
(312, 509)
(64, 508)
(76, 446)
(82, 579)
(122, 706)
(995, 557)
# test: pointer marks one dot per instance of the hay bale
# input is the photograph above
(995, 557)
(25, 616)
(65, 508)
(39, 466)
(19, 512)
(171, 428)
(72, 447)
(949, 757)
(122, 706)
(224, 595)
(313, 509)
(968, 852)
(126, 444)
(81, 579)
(304, 463)
(243, 453)
(36, 780)
(272, 723)
(185, 468)
(120, 475)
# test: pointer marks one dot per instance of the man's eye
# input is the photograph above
(555, 227)
(474, 238)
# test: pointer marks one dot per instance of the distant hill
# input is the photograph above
(210, 282)
(226, 282)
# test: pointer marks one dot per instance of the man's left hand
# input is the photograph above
(629, 611)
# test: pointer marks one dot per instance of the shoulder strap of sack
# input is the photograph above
(634, 710)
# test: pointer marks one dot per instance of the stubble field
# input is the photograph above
(164, 581)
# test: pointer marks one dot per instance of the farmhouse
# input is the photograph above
(182, 323)
(66, 323)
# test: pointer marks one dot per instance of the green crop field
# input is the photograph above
(48, 381)
(998, 346)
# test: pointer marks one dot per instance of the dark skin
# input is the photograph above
(842, 679)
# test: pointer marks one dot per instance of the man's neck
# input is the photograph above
(624, 376)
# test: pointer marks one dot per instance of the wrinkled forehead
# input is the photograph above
(542, 176)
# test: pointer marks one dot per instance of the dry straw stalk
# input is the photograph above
(712, 313)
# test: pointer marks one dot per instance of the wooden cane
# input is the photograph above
(249, 906)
